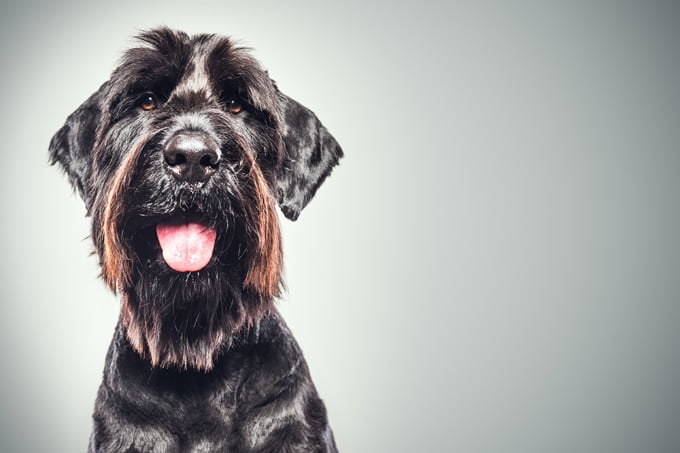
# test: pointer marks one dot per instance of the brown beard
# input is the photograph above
(115, 259)
(264, 275)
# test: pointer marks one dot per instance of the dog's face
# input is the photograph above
(181, 158)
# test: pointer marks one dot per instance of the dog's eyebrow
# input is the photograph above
(144, 68)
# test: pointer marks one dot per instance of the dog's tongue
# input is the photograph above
(186, 247)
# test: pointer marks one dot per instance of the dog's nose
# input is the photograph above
(192, 156)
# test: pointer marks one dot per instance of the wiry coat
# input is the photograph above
(201, 361)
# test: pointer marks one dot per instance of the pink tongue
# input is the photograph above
(186, 247)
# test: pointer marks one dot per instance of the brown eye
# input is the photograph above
(234, 106)
(148, 102)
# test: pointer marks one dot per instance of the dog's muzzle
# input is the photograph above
(191, 157)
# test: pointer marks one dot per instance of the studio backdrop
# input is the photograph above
(493, 267)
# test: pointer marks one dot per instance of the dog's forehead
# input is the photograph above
(187, 62)
(196, 77)
(198, 64)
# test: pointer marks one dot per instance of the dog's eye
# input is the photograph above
(148, 102)
(234, 106)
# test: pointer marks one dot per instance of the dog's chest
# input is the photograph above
(179, 421)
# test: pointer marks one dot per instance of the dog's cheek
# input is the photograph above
(267, 147)
(116, 161)
(116, 143)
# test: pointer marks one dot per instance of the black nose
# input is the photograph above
(192, 156)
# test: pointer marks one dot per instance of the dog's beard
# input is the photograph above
(185, 319)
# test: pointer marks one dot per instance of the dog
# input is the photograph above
(181, 158)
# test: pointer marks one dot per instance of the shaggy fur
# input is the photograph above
(201, 361)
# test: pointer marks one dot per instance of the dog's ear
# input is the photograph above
(310, 154)
(72, 145)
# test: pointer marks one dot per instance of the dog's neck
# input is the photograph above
(189, 333)
(137, 368)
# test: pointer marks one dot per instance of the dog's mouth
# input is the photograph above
(186, 246)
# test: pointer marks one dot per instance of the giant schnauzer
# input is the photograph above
(181, 157)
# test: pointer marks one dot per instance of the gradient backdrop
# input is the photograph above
(495, 266)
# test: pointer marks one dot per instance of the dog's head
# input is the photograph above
(181, 157)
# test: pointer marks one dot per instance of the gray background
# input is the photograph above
(495, 266)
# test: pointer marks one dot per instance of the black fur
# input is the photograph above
(201, 361)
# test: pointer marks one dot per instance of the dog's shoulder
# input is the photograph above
(276, 363)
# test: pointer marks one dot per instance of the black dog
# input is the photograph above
(181, 157)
